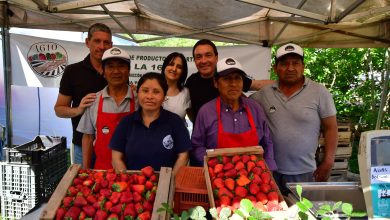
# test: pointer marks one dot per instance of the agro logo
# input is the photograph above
(47, 59)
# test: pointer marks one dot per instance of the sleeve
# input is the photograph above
(86, 125)
(65, 83)
(199, 140)
(118, 139)
(181, 136)
(326, 106)
(187, 100)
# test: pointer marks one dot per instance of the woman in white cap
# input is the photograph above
(230, 120)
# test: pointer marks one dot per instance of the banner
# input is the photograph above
(40, 62)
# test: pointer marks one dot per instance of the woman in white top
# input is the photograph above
(175, 71)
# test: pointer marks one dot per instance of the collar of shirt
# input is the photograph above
(275, 85)
(225, 107)
(138, 116)
(106, 95)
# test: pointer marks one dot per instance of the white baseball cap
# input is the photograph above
(116, 52)
(289, 48)
(229, 65)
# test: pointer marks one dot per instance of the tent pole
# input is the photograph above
(7, 73)
(384, 91)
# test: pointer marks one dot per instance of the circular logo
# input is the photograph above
(115, 51)
(230, 61)
(105, 130)
(168, 142)
(47, 59)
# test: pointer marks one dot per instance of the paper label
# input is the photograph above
(380, 191)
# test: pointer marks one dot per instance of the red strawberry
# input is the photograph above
(266, 177)
(153, 178)
(261, 164)
(243, 172)
(126, 197)
(113, 216)
(72, 191)
(218, 168)
(254, 188)
(144, 216)
(265, 188)
(98, 175)
(91, 199)
(150, 196)
(105, 192)
(67, 202)
(101, 215)
(89, 210)
(239, 165)
(137, 197)
(245, 158)
(80, 201)
(236, 158)
(124, 177)
(129, 210)
(119, 186)
(138, 207)
(77, 181)
(256, 179)
(147, 206)
(251, 198)
(83, 175)
(231, 173)
(257, 170)
(149, 185)
(218, 183)
(250, 165)
(110, 176)
(253, 157)
(242, 181)
(226, 159)
(273, 185)
(104, 183)
(85, 191)
(262, 197)
(228, 166)
(211, 172)
(212, 162)
(224, 201)
(116, 209)
(108, 205)
(147, 171)
(88, 182)
(138, 188)
(241, 191)
(141, 179)
(230, 183)
(236, 202)
(220, 175)
(224, 191)
(73, 213)
(60, 213)
(115, 196)
(273, 197)
(82, 215)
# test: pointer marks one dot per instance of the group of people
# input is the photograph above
(116, 125)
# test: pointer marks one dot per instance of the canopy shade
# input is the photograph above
(309, 23)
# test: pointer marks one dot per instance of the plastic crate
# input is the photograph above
(190, 189)
(42, 149)
(12, 208)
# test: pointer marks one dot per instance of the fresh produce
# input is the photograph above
(108, 195)
(243, 176)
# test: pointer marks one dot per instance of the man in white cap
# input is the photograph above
(296, 109)
(231, 119)
(112, 103)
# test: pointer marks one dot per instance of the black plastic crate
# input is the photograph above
(38, 151)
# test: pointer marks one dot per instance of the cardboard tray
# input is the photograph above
(230, 152)
(163, 195)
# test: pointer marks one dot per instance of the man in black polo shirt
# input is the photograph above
(81, 81)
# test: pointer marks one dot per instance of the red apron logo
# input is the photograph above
(47, 59)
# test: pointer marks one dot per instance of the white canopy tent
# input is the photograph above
(309, 23)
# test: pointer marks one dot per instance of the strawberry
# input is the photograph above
(150, 196)
(144, 216)
(250, 165)
(110, 176)
(262, 197)
(147, 206)
(212, 162)
(261, 164)
(245, 158)
(113, 216)
(98, 175)
(147, 171)
(266, 177)
(224, 191)
(226, 159)
(211, 172)
(60, 213)
(88, 182)
(256, 179)
(251, 198)
(257, 170)
(83, 175)
(239, 165)
(80, 201)
(137, 197)
(141, 179)
(105, 192)
(126, 197)
(101, 215)
(91, 199)
(89, 210)
(236, 202)
(85, 191)
(116, 209)
(241, 191)
(129, 210)
(236, 158)
(153, 178)
(273, 197)
(273, 185)
(265, 188)
(108, 205)
(220, 175)
(228, 166)
(67, 202)
(230, 183)
(138, 207)
(218, 168)
(224, 201)
(218, 183)
(243, 172)
(253, 158)
(77, 181)
(138, 188)
(73, 213)
(115, 196)
(82, 215)
(231, 173)
(149, 185)
(242, 180)
(254, 188)
(72, 191)
(259, 206)
(119, 186)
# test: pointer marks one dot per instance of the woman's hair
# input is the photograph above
(153, 75)
(183, 76)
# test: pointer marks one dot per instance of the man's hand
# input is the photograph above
(86, 102)
(322, 172)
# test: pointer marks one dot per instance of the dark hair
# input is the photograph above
(153, 75)
(205, 42)
(168, 60)
(98, 27)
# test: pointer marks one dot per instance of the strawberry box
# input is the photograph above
(235, 173)
(92, 193)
